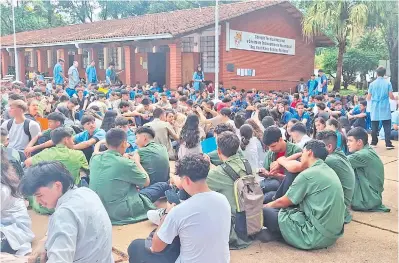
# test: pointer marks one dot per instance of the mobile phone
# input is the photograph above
(172, 197)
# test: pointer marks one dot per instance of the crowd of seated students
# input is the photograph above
(104, 156)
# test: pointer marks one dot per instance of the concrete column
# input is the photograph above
(106, 57)
(41, 58)
(5, 62)
(21, 65)
(175, 65)
(130, 57)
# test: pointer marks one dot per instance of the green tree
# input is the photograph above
(341, 18)
(384, 16)
(29, 15)
(80, 11)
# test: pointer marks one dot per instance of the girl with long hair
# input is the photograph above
(319, 125)
(251, 147)
(290, 123)
(190, 137)
(334, 125)
(16, 233)
(198, 78)
(109, 120)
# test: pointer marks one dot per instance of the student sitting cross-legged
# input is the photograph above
(272, 171)
(338, 161)
(196, 230)
(369, 173)
(311, 214)
(79, 229)
(116, 180)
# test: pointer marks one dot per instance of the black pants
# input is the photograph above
(138, 253)
(270, 220)
(282, 188)
(387, 129)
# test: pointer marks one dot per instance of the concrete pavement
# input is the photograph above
(371, 237)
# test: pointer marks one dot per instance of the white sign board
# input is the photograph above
(261, 43)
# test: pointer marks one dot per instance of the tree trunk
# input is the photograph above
(393, 63)
(341, 51)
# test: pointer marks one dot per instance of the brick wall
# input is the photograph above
(273, 71)
(140, 73)
(175, 69)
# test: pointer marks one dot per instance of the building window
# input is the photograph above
(28, 59)
(208, 53)
(100, 56)
(12, 59)
(86, 58)
(115, 54)
(187, 44)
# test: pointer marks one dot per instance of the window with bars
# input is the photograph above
(86, 58)
(187, 44)
(100, 56)
(115, 54)
(208, 53)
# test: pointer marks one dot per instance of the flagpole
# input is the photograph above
(17, 77)
(217, 50)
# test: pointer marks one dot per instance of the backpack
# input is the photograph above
(26, 127)
(249, 201)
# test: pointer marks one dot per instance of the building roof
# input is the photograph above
(150, 26)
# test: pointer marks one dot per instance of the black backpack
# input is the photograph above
(26, 127)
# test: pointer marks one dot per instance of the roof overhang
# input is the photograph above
(97, 40)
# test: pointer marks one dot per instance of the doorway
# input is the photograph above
(157, 68)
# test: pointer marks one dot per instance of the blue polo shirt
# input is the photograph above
(91, 74)
(324, 87)
(110, 73)
(287, 116)
(99, 134)
(380, 106)
(58, 79)
(304, 116)
(131, 139)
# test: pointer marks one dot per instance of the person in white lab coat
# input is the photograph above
(15, 227)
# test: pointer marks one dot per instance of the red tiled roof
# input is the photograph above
(171, 23)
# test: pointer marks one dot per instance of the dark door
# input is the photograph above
(157, 68)
(71, 58)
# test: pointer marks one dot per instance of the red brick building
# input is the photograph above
(260, 46)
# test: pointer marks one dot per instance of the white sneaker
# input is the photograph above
(155, 215)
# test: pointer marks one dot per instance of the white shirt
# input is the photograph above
(18, 140)
(303, 141)
(80, 230)
(202, 223)
(254, 153)
(15, 222)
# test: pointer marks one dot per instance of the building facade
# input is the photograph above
(260, 46)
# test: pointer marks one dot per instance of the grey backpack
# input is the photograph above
(248, 196)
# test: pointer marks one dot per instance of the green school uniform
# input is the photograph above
(318, 219)
(115, 179)
(271, 156)
(214, 157)
(338, 161)
(73, 160)
(155, 160)
(220, 182)
(369, 183)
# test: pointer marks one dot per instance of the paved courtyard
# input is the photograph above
(370, 237)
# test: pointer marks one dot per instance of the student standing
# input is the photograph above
(58, 74)
(198, 78)
(91, 73)
(73, 75)
(380, 91)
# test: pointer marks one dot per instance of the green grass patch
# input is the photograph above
(350, 91)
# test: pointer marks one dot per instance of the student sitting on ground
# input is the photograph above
(16, 233)
(357, 116)
(338, 161)
(123, 123)
(115, 179)
(86, 140)
(298, 134)
(164, 132)
(43, 140)
(317, 219)
(219, 181)
(153, 156)
(186, 230)
(79, 210)
(272, 172)
(73, 160)
(369, 172)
